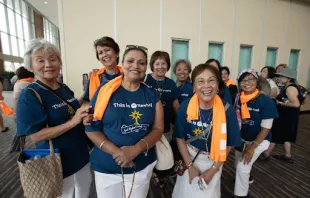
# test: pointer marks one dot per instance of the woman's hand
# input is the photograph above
(81, 113)
(126, 155)
(208, 175)
(192, 173)
(247, 156)
(88, 119)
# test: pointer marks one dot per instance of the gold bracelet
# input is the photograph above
(102, 144)
(256, 143)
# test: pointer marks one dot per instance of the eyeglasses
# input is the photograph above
(250, 80)
(137, 47)
(210, 81)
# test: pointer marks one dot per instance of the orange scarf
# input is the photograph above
(30, 80)
(230, 82)
(94, 80)
(219, 133)
(244, 107)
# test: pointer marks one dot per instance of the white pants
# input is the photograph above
(183, 189)
(78, 184)
(243, 171)
(111, 185)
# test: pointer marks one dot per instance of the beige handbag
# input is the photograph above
(40, 177)
(164, 154)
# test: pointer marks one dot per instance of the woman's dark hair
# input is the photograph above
(160, 54)
(136, 49)
(106, 42)
(227, 69)
(271, 71)
(222, 85)
(214, 60)
(22, 73)
(201, 68)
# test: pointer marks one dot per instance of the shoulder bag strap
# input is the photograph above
(55, 93)
(23, 138)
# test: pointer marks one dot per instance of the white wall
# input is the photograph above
(283, 24)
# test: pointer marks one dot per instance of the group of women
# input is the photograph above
(126, 111)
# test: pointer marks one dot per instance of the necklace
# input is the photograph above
(202, 120)
(133, 180)
(160, 86)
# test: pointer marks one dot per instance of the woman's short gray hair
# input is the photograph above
(35, 45)
(186, 62)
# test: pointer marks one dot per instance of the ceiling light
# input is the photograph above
(45, 2)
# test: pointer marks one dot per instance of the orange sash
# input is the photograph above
(219, 132)
(30, 80)
(5, 108)
(244, 107)
(230, 82)
(94, 80)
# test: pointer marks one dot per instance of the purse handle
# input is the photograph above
(23, 139)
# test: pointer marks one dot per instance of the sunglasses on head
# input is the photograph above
(136, 46)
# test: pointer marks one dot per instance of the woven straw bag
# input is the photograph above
(41, 178)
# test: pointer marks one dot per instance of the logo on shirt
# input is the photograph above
(135, 115)
(197, 132)
(184, 94)
(136, 127)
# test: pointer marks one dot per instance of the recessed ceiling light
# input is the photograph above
(45, 2)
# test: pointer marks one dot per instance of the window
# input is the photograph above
(179, 51)
(216, 51)
(308, 81)
(50, 32)
(294, 59)
(11, 66)
(245, 57)
(14, 26)
(271, 57)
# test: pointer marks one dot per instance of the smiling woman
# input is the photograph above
(61, 111)
(125, 130)
(107, 52)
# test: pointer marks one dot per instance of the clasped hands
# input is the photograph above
(125, 155)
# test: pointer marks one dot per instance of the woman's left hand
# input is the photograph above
(208, 175)
(126, 155)
(247, 157)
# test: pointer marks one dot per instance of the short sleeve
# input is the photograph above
(181, 125)
(268, 109)
(175, 91)
(96, 125)
(86, 92)
(30, 115)
(233, 131)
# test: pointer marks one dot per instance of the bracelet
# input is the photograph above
(189, 165)
(213, 166)
(256, 143)
(147, 146)
(102, 144)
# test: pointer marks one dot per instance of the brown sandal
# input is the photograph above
(5, 129)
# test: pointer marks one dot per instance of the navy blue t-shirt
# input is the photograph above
(186, 130)
(105, 77)
(227, 96)
(262, 107)
(168, 92)
(186, 91)
(31, 118)
(127, 119)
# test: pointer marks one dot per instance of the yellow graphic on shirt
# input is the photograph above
(135, 116)
(197, 132)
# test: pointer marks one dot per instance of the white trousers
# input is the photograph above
(243, 171)
(183, 189)
(78, 184)
(111, 185)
